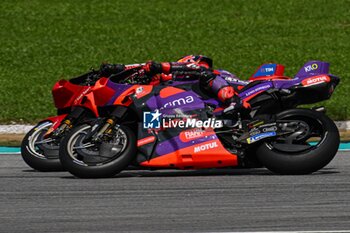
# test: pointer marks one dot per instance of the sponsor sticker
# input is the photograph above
(236, 81)
(193, 134)
(139, 90)
(266, 70)
(315, 80)
(254, 132)
(269, 129)
(145, 141)
(311, 67)
(261, 88)
(76, 101)
(205, 147)
(260, 136)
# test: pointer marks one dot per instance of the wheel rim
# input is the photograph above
(96, 154)
(309, 134)
(37, 143)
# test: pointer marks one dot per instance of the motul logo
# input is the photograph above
(205, 147)
(315, 80)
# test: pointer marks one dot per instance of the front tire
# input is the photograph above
(302, 157)
(40, 156)
(86, 160)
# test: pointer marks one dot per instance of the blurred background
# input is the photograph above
(43, 41)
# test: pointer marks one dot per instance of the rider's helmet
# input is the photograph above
(199, 59)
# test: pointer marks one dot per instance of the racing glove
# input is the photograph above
(153, 68)
(206, 78)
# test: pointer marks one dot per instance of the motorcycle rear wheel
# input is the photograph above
(297, 156)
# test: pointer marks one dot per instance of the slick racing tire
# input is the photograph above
(87, 160)
(299, 156)
(40, 156)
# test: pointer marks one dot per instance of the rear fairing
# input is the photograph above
(280, 94)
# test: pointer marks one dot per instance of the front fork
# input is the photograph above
(106, 129)
(68, 122)
(106, 126)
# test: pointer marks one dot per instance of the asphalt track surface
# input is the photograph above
(174, 201)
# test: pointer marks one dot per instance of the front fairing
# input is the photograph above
(64, 93)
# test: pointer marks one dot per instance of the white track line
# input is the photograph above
(337, 231)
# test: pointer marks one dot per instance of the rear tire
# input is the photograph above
(73, 162)
(308, 161)
(36, 158)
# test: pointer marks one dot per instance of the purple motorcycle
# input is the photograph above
(178, 125)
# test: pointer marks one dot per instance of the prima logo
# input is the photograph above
(178, 102)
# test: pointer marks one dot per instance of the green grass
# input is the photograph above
(42, 41)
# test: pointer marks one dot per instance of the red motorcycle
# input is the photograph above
(40, 146)
(76, 104)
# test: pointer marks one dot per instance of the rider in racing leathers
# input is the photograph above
(199, 66)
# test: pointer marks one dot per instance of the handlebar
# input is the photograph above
(131, 75)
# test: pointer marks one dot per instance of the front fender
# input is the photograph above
(56, 122)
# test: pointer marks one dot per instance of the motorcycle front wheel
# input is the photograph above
(41, 153)
(311, 147)
(103, 159)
